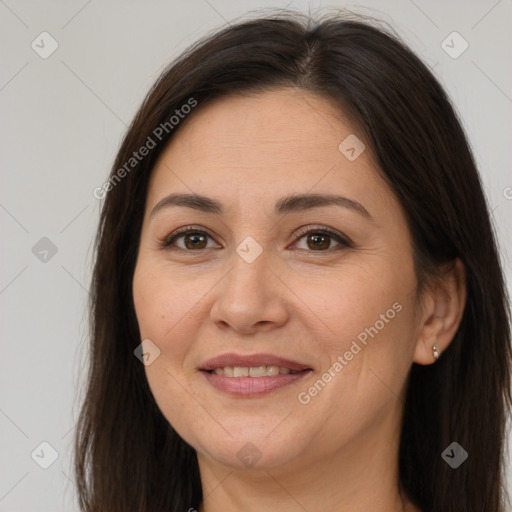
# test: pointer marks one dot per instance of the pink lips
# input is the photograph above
(252, 360)
(246, 387)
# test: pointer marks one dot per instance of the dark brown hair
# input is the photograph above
(127, 456)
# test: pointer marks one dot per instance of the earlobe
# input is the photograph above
(443, 307)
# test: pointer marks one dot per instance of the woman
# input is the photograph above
(297, 298)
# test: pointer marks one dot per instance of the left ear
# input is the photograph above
(443, 307)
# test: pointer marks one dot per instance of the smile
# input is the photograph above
(252, 371)
(252, 375)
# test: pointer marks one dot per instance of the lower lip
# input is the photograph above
(252, 386)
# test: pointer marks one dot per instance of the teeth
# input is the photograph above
(258, 371)
(240, 371)
(253, 371)
(272, 370)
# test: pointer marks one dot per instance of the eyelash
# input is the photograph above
(342, 240)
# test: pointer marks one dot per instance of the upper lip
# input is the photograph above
(252, 360)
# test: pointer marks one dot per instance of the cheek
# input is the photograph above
(159, 299)
(371, 314)
(160, 304)
(360, 301)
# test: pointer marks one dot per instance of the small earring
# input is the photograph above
(435, 352)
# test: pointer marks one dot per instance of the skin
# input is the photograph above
(339, 451)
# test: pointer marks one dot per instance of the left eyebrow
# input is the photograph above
(298, 203)
(288, 204)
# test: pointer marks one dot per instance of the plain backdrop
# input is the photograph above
(62, 119)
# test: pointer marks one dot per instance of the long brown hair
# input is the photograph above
(127, 456)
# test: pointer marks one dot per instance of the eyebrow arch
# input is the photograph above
(289, 204)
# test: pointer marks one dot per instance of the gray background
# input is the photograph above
(62, 121)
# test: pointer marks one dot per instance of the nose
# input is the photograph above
(251, 297)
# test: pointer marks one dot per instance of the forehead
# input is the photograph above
(286, 124)
(261, 145)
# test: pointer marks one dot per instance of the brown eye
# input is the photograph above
(317, 240)
(320, 240)
(193, 240)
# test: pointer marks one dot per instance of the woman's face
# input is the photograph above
(259, 279)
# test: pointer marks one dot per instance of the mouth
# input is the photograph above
(252, 371)
(254, 375)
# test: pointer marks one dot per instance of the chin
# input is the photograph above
(251, 452)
